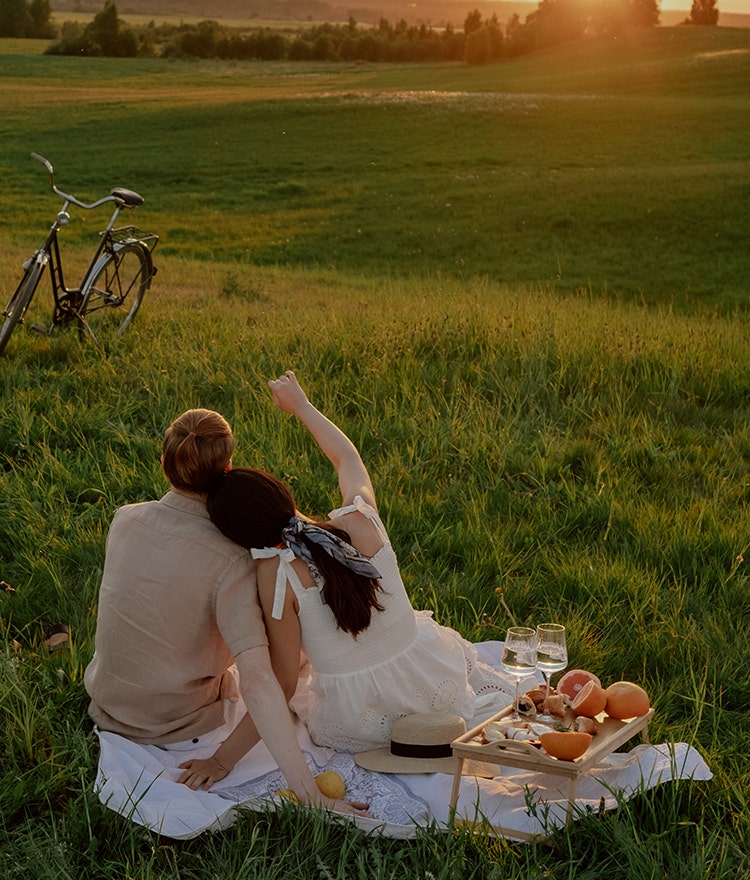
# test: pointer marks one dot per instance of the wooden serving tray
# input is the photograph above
(516, 753)
(526, 756)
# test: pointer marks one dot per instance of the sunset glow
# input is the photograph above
(736, 6)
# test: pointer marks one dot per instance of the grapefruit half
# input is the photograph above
(590, 700)
(566, 745)
(572, 682)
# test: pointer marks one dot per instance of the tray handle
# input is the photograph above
(517, 745)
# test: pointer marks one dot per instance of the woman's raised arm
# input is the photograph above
(342, 453)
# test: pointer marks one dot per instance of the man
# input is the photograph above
(178, 608)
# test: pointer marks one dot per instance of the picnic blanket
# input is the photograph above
(140, 783)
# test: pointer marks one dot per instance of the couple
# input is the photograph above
(189, 620)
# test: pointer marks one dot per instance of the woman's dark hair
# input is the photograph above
(252, 508)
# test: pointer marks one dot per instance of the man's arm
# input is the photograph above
(268, 717)
(266, 704)
(284, 650)
(204, 772)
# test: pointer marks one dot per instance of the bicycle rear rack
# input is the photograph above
(132, 235)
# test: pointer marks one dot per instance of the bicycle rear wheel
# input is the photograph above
(113, 294)
(19, 302)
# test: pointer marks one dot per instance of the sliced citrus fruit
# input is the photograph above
(625, 699)
(567, 745)
(573, 681)
(590, 700)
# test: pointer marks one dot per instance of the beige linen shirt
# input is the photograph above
(178, 602)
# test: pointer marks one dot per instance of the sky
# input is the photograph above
(723, 5)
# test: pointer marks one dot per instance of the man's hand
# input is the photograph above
(202, 773)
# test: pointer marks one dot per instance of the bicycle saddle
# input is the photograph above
(129, 198)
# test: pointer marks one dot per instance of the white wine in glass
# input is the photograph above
(519, 658)
(551, 657)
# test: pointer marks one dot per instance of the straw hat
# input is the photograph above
(421, 743)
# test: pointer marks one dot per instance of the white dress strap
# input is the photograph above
(285, 572)
(361, 506)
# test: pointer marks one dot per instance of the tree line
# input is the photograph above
(479, 41)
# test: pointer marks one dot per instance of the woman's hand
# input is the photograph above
(337, 447)
(287, 394)
(202, 773)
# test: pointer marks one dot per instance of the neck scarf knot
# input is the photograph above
(334, 546)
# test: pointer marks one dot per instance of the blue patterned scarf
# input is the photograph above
(334, 546)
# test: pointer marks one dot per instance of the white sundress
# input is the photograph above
(403, 662)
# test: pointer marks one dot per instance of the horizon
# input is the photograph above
(735, 7)
(741, 7)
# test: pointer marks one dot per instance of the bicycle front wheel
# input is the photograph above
(113, 293)
(19, 302)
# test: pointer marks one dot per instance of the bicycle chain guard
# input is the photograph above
(66, 308)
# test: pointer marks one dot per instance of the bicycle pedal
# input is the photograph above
(40, 329)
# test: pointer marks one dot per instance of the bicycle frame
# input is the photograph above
(49, 253)
(112, 288)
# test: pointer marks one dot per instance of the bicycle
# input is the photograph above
(112, 287)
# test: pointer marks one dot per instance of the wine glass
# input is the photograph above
(551, 656)
(519, 658)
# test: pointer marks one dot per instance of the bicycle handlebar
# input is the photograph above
(68, 198)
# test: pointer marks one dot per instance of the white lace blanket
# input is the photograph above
(140, 782)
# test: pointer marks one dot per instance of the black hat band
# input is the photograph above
(414, 750)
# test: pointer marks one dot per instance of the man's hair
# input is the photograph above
(197, 448)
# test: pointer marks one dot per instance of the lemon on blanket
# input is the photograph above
(286, 794)
(331, 784)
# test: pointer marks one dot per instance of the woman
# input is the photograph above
(334, 590)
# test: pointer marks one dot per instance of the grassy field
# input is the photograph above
(572, 433)
(616, 169)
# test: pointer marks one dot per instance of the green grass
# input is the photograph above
(589, 460)
(539, 450)
(601, 167)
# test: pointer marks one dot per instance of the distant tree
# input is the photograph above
(518, 40)
(556, 21)
(268, 45)
(366, 47)
(472, 22)
(704, 12)
(496, 37)
(40, 13)
(644, 13)
(452, 48)
(201, 41)
(477, 46)
(301, 50)
(105, 35)
(322, 48)
(384, 27)
(15, 19)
